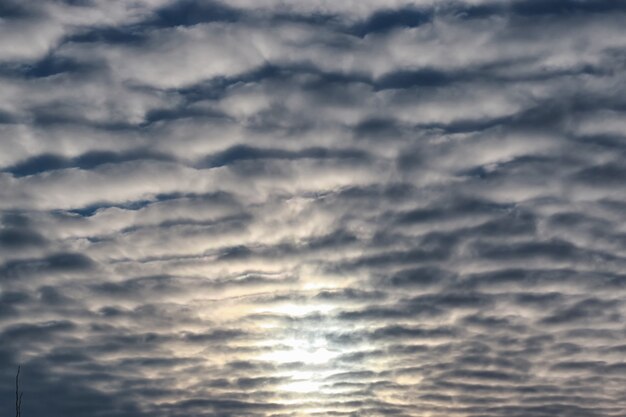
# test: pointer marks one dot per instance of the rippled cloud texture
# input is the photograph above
(296, 208)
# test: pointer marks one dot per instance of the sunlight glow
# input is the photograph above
(299, 310)
(305, 384)
(305, 351)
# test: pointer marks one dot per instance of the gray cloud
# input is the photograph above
(260, 208)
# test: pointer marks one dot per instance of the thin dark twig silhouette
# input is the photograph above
(18, 394)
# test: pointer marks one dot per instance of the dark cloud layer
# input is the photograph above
(312, 208)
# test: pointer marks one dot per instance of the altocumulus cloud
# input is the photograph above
(298, 208)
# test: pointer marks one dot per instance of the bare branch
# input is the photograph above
(18, 394)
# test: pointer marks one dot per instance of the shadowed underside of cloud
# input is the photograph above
(273, 209)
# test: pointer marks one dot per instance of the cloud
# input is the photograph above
(266, 208)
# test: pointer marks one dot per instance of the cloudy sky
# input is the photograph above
(272, 208)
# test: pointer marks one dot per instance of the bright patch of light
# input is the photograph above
(303, 386)
(296, 310)
(305, 351)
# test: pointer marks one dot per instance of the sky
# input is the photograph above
(282, 208)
